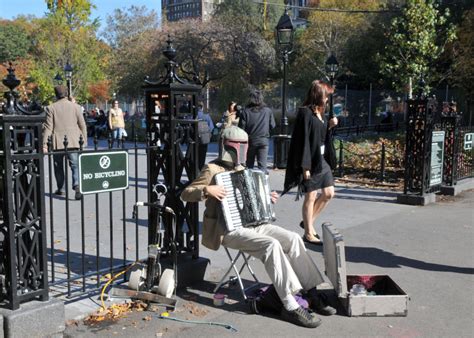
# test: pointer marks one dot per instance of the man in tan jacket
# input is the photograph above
(282, 252)
(64, 119)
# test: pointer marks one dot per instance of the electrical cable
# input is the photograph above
(110, 281)
(226, 326)
(337, 10)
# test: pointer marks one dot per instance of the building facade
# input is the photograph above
(188, 9)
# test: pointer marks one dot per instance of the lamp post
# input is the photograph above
(332, 67)
(284, 37)
(58, 79)
(68, 72)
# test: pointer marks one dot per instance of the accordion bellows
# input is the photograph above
(247, 201)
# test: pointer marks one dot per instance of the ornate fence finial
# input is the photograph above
(11, 82)
(12, 107)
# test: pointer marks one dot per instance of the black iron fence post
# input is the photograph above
(450, 123)
(419, 128)
(341, 158)
(382, 163)
(24, 260)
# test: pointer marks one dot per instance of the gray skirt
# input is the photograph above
(320, 180)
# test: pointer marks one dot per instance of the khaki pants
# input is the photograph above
(283, 253)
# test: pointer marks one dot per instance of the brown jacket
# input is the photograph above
(64, 118)
(213, 222)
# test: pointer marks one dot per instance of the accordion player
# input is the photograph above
(247, 201)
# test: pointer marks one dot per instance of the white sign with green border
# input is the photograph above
(468, 138)
(437, 158)
(102, 172)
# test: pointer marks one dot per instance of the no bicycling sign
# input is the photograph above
(102, 172)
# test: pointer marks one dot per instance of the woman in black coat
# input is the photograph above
(309, 155)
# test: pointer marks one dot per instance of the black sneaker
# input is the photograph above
(59, 193)
(301, 317)
(78, 194)
(320, 305)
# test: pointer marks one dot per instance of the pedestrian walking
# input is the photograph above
(308, 158)
(205, 127)
(257, 120)
(64, 119)
(116, 122)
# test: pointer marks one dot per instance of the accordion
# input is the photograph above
(247, 201)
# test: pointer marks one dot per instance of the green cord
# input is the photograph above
(227, 326)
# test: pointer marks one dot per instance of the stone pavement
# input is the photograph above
(427, 250)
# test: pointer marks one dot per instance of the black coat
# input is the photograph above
(257, 121)
(305, 150)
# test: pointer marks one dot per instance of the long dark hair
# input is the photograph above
(229, 107)
(317, 94)
(255, 99)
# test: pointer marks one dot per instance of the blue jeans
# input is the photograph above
(58, 160)
(117, 133)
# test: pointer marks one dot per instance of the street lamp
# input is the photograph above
(332, 67)
(284, 37)
(68, 72)
(58, 78)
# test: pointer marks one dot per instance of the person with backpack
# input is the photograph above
(257, 120)
(205, 127)
(282, 252)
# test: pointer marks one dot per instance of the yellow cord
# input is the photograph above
(110, 281)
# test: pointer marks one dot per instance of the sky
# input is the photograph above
(9, 9)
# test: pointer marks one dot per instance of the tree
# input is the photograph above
(416, 39)
(14, 41)
(132, 35)
(463, 66)
(67, 34)
(124, 24)
(340, 33)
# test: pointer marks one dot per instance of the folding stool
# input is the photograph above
(233, 279)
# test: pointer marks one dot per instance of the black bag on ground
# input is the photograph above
(266, 300)
(203, 132)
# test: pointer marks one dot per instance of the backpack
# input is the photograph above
(204, 133)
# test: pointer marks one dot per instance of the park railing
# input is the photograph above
(92, 238)
(361, 129)
(465, 154)
(381, 160)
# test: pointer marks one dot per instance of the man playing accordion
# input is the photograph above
(282, 252)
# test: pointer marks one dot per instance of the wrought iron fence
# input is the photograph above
(375, 128)
(465, 154)
(378, 160)
(97, 235)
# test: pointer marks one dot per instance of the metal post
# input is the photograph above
(331, 101)
(370, 104)
(22, 200)
(341, 158)
(345, 106)
(382, 164)
(284, 118)
(69, 88)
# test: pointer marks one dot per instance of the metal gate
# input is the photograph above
(92, 238)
